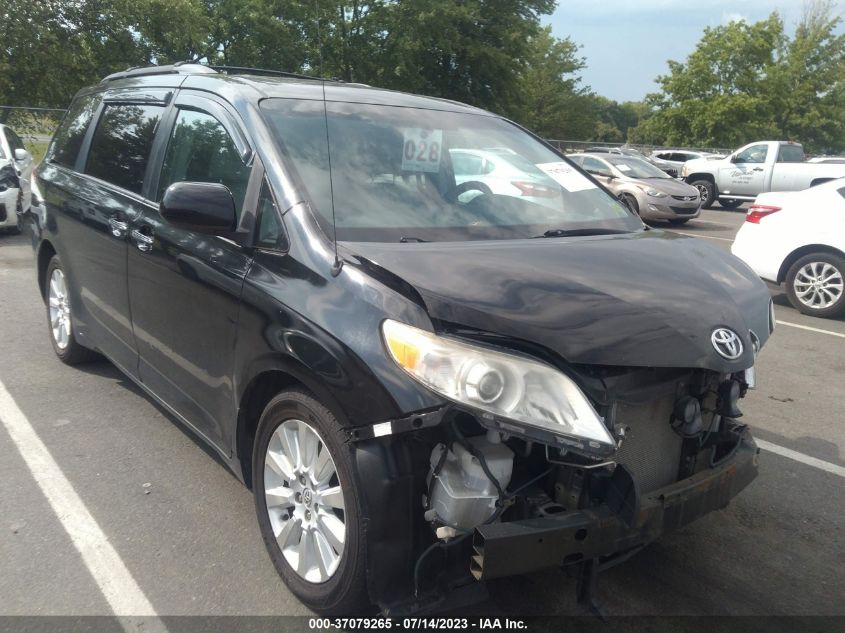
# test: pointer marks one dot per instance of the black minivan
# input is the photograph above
(436, 350)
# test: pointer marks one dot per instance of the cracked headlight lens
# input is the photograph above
(503, 384)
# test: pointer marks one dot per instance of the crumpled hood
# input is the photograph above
(649, 299)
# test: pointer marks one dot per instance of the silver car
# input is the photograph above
(642, 187)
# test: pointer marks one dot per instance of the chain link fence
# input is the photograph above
(570, 147)
(35, 126)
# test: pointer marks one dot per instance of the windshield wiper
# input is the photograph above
(575, 232)
(409, 238)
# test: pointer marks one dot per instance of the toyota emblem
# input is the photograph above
(727, 343)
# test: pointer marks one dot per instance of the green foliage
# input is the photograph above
(745, 82)
(489, 53)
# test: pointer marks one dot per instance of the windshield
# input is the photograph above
(407, 174)
(635, 167)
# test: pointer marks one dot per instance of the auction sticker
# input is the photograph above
(421, 149)
(566, 176)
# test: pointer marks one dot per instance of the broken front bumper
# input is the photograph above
(622, 524)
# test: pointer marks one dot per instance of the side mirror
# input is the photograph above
(605, 174)
(22, 154)
(734, 159)
(204, 207)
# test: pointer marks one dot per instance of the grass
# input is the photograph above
(37, 149)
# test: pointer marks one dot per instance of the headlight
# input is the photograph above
(651, 191)
(536, 395)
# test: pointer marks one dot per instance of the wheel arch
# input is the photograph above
(701, 176)
(268, 378)
(798, 253)
(46, 251)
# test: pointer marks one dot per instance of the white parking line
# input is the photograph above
(801, 457)
(706, 237)
(110, 573)
(811, 329)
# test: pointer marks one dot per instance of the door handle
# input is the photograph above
(143, 241)
(757, 169)
(118, 227)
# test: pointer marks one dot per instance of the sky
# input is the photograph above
(627, 43)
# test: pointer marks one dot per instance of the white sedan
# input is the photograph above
(798, 239)
(15, 177)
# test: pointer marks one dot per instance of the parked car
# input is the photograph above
(634, 153)
(15, 177)
(798, 239)
(677, 157)
(643, 188)
(420, 394)
(755, 169)
(503, 172)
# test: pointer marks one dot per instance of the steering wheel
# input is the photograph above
(470, 185)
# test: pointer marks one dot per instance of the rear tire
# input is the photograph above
(60, 317)
(296, 428)
(815, 285)
(729, 203)
(707, 191)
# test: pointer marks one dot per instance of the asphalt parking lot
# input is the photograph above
(185, 529)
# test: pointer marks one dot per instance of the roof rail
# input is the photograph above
(243, 70)
(179, 68)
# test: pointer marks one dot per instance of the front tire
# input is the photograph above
(306, 497)
(815, 285)
(60, 317)
(678, 221)
(707, 191)
(631, 202)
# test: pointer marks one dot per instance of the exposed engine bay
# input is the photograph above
(668, 426)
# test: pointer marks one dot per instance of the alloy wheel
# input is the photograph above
(59, 309)
(818, 285)
(304, 500)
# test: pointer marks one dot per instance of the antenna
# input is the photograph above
(338, 263)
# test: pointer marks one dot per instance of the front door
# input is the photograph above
(184, 287)
(746, 174)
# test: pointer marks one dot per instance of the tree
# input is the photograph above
(552, 102)
(747, 81)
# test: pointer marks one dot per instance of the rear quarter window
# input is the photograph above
(68, 138)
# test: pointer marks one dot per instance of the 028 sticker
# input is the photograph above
(421, 149)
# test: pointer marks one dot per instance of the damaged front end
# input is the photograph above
(486, 495)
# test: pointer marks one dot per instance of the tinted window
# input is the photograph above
(753, 154)
(68, 139)
(790, 154)
(594, 166)
(200, 150)
(270, 231)
(121, 145)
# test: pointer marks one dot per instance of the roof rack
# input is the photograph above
(243, 70)
(179, 68)
(193, 68)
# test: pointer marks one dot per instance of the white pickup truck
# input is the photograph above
(754, 169)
